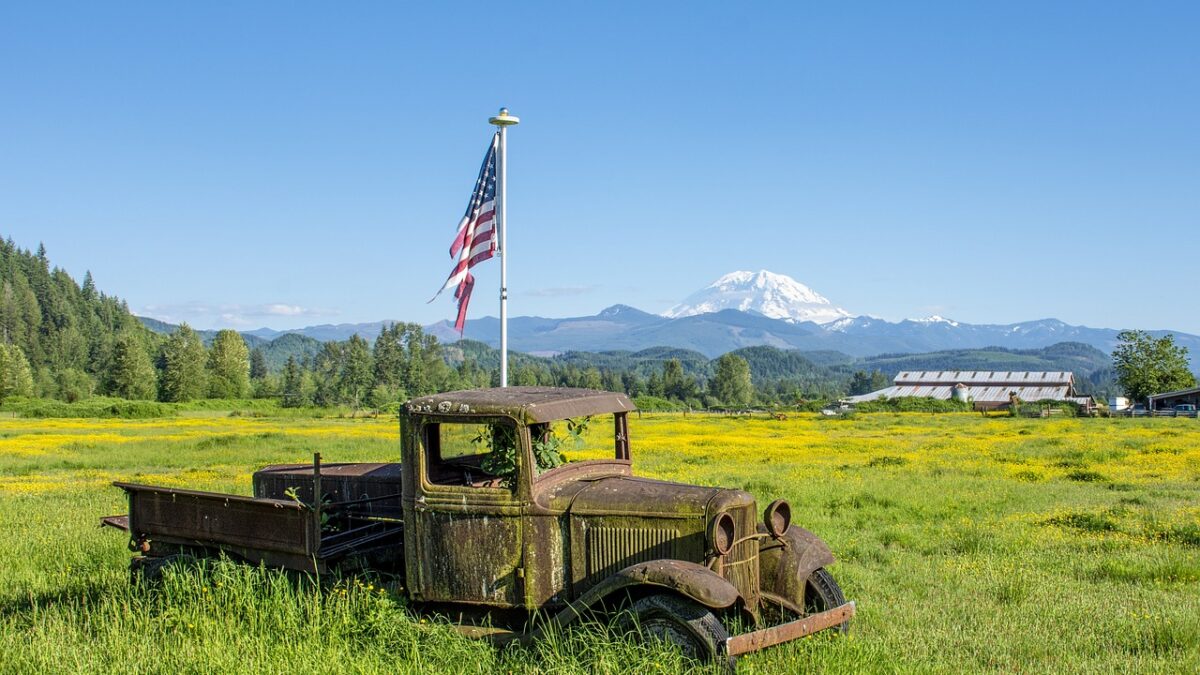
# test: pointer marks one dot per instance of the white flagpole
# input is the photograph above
(503, 121)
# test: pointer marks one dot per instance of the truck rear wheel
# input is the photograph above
(822, 593)
(149, 570)
(691, 627)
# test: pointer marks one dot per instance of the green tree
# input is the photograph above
(327, 374)
(183, 358)
(130, 373)
(409, 361)
(591, 379)
(675, 384)
(258, 365)
(356, 375)
(71, 385)
(1147, 365)
(731, 383)
(89, 287)
(293, 385)
(228, 366)
(863, 382)
(16, 377)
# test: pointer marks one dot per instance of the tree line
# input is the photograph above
(69, 341)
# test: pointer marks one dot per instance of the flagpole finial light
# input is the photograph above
(504, 119)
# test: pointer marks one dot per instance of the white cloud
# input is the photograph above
(285, 310)
(204, 314)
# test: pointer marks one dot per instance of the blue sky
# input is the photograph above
(297, 163)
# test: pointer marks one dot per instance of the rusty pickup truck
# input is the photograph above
(516, 510)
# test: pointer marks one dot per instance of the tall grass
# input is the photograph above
(970, 544)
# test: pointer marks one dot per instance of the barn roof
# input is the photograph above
(983, 386)
(1020, 378)
(1171, 394)
(995, 394)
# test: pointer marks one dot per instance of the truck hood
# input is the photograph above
(628, 495)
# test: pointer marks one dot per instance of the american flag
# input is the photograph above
(475, 240)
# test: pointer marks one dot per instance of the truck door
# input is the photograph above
(468, 534)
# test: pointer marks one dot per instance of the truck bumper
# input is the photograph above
(786, 632)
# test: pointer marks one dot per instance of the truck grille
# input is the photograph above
(611, 549)
(741, 564)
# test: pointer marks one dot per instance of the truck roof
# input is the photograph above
(532, 405)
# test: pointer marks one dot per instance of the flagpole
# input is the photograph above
(503, 121)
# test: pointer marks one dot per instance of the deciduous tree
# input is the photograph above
(228, 366)
(731, 383)
(183, 358)
(356, 375)
(1147, 365)
(16, 378)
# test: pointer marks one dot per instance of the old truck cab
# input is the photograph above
(525, 498)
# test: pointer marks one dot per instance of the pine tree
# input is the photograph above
(258, 365)
(183, 359)
(675, 384)
(89, 287)
(131, 375)
(228, 366)
(293, 385)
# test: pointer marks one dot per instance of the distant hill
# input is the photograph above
(774, 368)
(624, 328)
(1073, 356)
(275, 351)
(1092, 368)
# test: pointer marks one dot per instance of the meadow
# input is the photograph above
(969, 543)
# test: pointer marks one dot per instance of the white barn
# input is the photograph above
(988, 389)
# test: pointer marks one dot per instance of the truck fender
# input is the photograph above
(785, 564)
(686, 578)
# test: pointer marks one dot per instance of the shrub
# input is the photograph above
(656, 404)
(93, 407)
(913, 404)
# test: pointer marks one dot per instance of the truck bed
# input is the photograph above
(269, 530)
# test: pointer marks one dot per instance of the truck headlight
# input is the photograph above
(721, 533)
(778, 518)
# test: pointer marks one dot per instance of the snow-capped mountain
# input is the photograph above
(776, 296)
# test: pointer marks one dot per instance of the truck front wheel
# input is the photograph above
(692, 628)
(822, 593)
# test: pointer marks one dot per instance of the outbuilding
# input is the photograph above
(986, 389)
(1170, 399)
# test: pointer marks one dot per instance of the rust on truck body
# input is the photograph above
(555, 542)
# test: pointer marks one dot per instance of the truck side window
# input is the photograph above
(465, 453)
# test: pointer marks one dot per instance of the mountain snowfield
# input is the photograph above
(776, 296)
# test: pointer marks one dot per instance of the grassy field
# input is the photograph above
(970, 544)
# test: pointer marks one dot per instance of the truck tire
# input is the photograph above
(691, 627)
(822, 593)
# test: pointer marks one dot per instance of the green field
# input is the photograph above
(970, 544)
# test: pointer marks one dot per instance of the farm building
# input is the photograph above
(987, 389)
(1170, 399)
